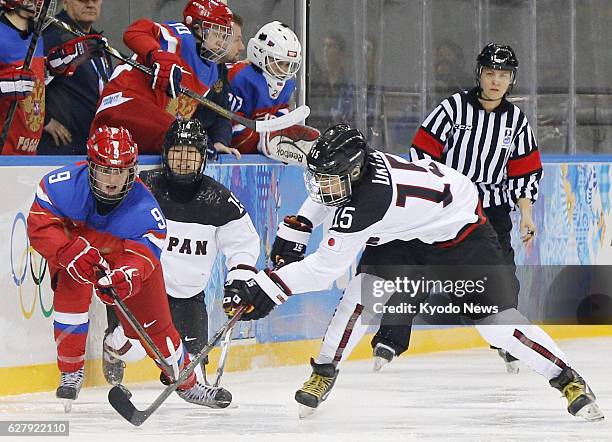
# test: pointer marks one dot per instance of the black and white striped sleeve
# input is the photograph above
(524, 165)
(431, 137)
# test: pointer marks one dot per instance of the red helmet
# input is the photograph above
(32, 5)
(213, 16)
(11, 4)
(112, 155)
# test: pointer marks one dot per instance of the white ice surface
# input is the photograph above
(461, 395)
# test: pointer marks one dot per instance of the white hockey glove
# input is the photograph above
(290, 145)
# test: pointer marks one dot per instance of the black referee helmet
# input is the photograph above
(497, 56)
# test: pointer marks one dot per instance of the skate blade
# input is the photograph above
(379, 363)
(591, 412)
(512, 367)
(305, 411)
(67, 403)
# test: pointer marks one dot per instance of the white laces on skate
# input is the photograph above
(200, 394)
(72, 379)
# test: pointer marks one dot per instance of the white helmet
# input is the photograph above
(276, 50)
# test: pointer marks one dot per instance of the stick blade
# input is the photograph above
(294, 117)
(119, 398)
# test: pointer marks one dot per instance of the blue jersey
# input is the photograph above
(66, 194)
(27, 126)
(14, 48)
(177, 38)
(250, 95)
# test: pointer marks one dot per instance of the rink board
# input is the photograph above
(572, 217)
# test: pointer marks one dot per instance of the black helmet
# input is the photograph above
(336, 160)
(186, 133)
(497, 56)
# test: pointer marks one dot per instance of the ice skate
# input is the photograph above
(70, 385)
(511, 362)
(212, 397)
(580, 398)
(383, 354)
(317, 388)
(112, 367)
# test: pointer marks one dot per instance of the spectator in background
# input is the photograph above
(335, 92)
(28, 86)
(234, 55)
(71, 101)
(449, 72)
(331, 93)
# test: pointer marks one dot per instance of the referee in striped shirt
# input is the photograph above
(488, 139)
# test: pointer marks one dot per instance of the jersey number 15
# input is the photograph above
(407, 191)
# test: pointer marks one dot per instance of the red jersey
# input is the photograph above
(27, 126)
(127, 83)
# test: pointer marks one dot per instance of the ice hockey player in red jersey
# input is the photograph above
(423, 214)
(180, 54)
(261, 87)
(28, 86)
(98, 226)
(204, 219)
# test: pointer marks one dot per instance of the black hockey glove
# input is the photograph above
(291, 240)
(235, 277)
(261, 293)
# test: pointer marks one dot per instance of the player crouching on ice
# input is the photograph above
(99, 228)
(204, 217)
(422, 214)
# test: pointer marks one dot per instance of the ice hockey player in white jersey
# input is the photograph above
(204, 218)
(420, 214)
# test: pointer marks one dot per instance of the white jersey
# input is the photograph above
(394, 200)
(213, 221)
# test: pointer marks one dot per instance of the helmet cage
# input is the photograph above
(97, 172)
(328, 189)
(213, 19)
(183, 157)
(185, 133)
(288, 70)
(275, 43)
(110, 152)
(222, 35)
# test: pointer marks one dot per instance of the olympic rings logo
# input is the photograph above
(37, 265)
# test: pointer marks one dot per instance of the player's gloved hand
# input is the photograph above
(291, 240)
(64, 59)
(262, 293)
(125, 280)
(167, 72)
(81, 260)
(234, 282)
(290, 145)
(15, 83)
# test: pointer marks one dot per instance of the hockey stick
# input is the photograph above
(139, 329)
(225, 345)
(27, 64)
(119, 396)
(294, 117)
